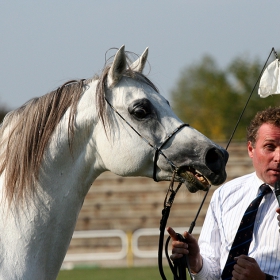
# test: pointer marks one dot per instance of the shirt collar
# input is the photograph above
(259, 182)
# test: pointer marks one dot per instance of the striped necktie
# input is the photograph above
(243, 237)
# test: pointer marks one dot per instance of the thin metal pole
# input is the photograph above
(239, 119)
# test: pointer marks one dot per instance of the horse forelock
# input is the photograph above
(25, 133)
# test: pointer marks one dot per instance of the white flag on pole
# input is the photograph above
(270, 80)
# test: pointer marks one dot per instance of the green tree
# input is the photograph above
(211, 99)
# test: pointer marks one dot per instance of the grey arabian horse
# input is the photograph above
(54, 147)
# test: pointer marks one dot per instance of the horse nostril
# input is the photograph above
(215, 160)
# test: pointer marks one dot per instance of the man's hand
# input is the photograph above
(247, 268)
(189, 247)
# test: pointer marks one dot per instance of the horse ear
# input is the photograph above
(117, 68)
(139, 64)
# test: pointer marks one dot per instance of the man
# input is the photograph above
(208, 258)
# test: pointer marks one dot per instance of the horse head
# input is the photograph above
(149, 139)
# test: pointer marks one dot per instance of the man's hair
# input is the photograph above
(270, 115)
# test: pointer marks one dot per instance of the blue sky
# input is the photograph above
(45, 43)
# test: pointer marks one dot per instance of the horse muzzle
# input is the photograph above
(202, 176)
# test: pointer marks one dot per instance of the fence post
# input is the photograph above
(129, 256)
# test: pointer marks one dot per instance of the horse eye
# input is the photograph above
(141, 109)
(140, 113)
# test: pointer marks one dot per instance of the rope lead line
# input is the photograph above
(165, 214)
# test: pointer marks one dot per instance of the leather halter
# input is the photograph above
(157, 149)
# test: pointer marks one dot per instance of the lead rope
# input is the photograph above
(165, 214)
(181, 264)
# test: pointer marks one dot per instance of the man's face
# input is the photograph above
(266, 153)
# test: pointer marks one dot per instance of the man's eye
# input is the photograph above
(270, 147)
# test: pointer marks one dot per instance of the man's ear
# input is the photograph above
(250, 149)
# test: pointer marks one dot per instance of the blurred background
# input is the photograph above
(204, 56)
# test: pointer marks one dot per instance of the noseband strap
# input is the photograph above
(158, 151)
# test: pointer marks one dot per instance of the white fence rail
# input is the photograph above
(99, 256)
(129, 244)
(137, 252)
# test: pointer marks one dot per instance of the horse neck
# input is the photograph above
(35, 235)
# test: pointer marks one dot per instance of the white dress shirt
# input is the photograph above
(223, 217)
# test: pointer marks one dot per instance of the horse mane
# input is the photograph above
(26, 131)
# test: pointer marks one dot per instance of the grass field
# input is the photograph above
(135, 273)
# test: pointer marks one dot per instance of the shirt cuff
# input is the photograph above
(203, 273)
